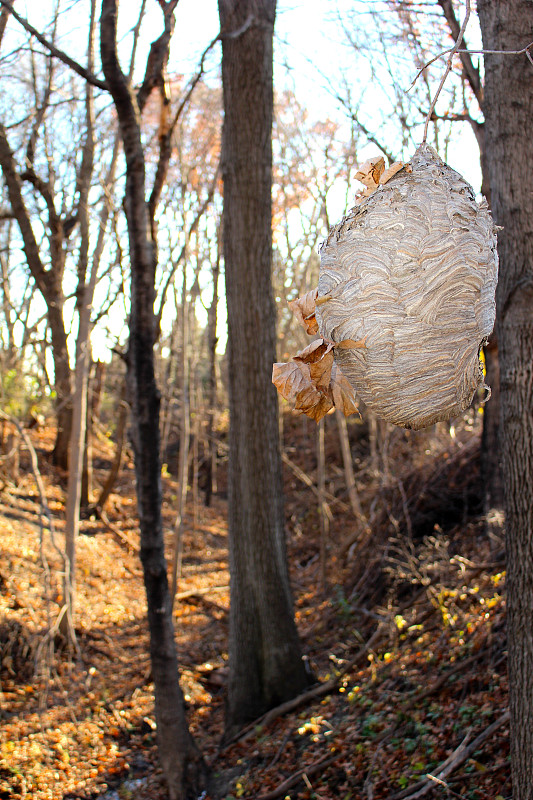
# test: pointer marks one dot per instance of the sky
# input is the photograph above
(310, 55)
(311, 52)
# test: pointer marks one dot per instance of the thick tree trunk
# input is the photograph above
(490, 440)
(508, 111)
(265, 660)
(182, 763)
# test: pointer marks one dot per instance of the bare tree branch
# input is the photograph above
(158, 56)
(176, 263)
(524, 51)
(4, 16)
(472, 73)
(55, 51)
(447, 70)
(31, 248)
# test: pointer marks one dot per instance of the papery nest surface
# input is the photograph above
(411, 271)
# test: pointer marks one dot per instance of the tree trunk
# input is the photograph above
(49, 284)
(185, 435)
(83, 360)
(490, 440)
(508, 111)
(351, 488)
(87, 469)
(322, 505)
(266, 667)
(120, 431)
(212, 341)
(62, 380)
(182, 763)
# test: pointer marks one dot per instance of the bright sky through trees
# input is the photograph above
(313, 58)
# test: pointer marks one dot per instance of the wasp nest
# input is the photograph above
(411, 272)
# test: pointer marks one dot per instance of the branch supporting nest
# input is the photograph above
(447, 70)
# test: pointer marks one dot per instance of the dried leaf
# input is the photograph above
(321, 371)
(392, 170)
(313, 383)
(315, 351)
(290, 378)
(319, 358)
(303, 309)
(305, 381)
(343, 394)
(313, 403)
(370, 172)
(293, 381)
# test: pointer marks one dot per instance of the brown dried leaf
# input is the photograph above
(319, 358)
(321, 371)
(303, 309)
(314, 403)
(305, 381)
(290, 379)
(392, 170)
(370, 172)
(293, 382)
(343, 394)
(314, 351)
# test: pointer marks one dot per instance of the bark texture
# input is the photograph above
(508, 111)
(266, 667)
(182, 764)
(490, 443)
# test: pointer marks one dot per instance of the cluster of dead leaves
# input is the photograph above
(312, 381)
(373, 174)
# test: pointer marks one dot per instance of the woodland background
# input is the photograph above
(136, 201)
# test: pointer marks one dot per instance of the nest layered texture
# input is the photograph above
(412, 271)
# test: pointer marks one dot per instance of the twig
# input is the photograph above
(280, 749)
(442, 680)
(368, 787)
(55, 51)
(458, 757)
(445, 786)
(524, 51)
(200, 592)
(322, 688)
(209, 603)
(417, 698)
(447, 70)
(45, 512)
(297, 777)
(405, 507)
(122, 537)
(304, 477)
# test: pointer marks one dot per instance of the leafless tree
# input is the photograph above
(508, 107)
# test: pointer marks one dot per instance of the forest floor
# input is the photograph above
(406, 635)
